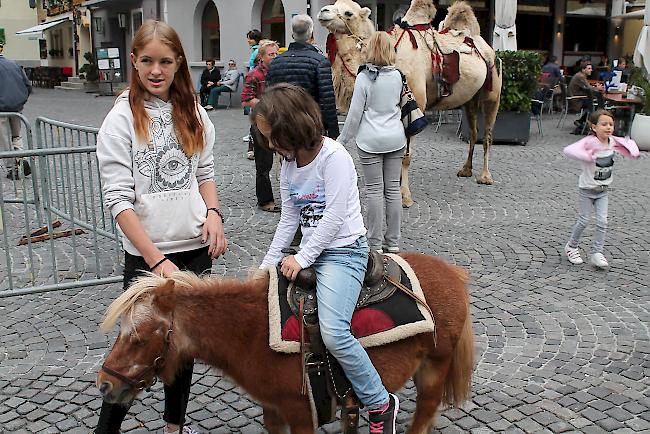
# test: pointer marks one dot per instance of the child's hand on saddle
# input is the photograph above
(290, 267)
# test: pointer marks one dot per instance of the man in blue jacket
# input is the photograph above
(14, 91)
(304, 66)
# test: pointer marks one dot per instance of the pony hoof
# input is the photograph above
(486, 180)
(464, 173)
(407, 202)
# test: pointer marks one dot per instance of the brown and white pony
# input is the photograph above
(224, 322)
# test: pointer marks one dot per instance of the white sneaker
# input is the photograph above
(391, 249)
(573, 255)
(208, 107)
(598, 260)
(246, 138)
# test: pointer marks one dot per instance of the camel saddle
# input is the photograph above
(322, 375)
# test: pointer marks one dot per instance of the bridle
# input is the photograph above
(139, 382)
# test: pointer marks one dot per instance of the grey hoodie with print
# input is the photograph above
(157, 180)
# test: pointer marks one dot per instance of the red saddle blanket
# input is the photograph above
(390, 320)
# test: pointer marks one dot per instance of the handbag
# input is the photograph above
(413, 119)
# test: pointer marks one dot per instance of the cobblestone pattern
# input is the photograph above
(559, 348)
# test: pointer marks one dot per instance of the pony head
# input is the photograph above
(144, 348)
(346, 17)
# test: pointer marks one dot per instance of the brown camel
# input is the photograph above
(478, 86)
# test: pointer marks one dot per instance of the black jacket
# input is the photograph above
(213, 76)
(304, 66)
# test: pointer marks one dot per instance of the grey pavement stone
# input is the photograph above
(558, 348)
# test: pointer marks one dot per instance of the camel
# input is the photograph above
(479, 84)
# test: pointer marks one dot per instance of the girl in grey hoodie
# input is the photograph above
(156, 164)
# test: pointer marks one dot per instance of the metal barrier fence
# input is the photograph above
(54, 231)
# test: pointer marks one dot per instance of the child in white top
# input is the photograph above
(596, 152)
(318, 185)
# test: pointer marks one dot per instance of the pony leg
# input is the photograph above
(273, 422)
(429, 381)
(471, 109)
(404, 188)
(491, 108)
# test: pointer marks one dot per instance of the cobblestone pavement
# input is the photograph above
(559, 348)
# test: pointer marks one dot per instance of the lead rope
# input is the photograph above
(411, 294)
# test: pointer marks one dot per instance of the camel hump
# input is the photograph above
(461, 16)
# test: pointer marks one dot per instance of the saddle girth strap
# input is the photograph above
(301, 318)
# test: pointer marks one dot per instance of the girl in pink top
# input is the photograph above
(596, 153)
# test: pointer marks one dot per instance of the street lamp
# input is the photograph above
(75, 36)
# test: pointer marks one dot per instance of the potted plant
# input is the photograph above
(639, 86)
(90, 72)
(521, 70)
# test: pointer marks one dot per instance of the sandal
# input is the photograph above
(270, 207)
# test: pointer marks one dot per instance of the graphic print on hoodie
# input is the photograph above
(156, 179)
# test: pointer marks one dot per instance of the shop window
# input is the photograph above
(596, 8)
(537, 40)
(585, 34)
(273, 21)
(533, 7)
(211, 36)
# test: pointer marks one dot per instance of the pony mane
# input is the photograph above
(183, 280)
(460, 16)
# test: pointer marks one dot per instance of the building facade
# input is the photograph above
(16, 16)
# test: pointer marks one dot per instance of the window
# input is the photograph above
(587, 7)
(210, 33)
(2, 36)
(578, 39)
(273, 21)
(136, 20)
(534, 7)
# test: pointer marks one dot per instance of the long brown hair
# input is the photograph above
(187, 123)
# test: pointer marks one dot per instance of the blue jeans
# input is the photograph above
(598, 200)
(213, 99)
(339, 276)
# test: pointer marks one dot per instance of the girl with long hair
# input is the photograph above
(157, 169)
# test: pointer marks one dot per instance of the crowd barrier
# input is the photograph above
(54, 231)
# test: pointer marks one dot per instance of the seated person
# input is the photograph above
(209, 78)
(579, 86)
(227, 84)
(622, 66)
(551, 72)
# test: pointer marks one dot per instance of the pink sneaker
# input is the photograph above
(382, 420)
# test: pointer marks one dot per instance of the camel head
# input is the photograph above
(346, 17)
(420, 12)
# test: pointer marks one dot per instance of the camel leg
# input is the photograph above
(491, 108)
(429, 381)
(404, 188)
(471, 109)
(273, 422)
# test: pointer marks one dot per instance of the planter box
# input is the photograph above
(510, 127)
(640, 131)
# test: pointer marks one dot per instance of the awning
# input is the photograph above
(631, 15)
(39, 29)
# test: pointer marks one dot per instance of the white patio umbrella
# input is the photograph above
(642, 49)
(505, 30)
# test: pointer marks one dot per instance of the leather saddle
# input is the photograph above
(376, 286)
(328, 383)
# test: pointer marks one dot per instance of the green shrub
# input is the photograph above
(90, 68)
(639, 78)
(521, 71)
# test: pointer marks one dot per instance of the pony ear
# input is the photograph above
(365, 13)
(165, 297)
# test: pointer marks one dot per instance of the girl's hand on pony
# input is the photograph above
(290, 267)
(165, 268)
(214, 235)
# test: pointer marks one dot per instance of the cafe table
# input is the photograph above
(622, 100)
